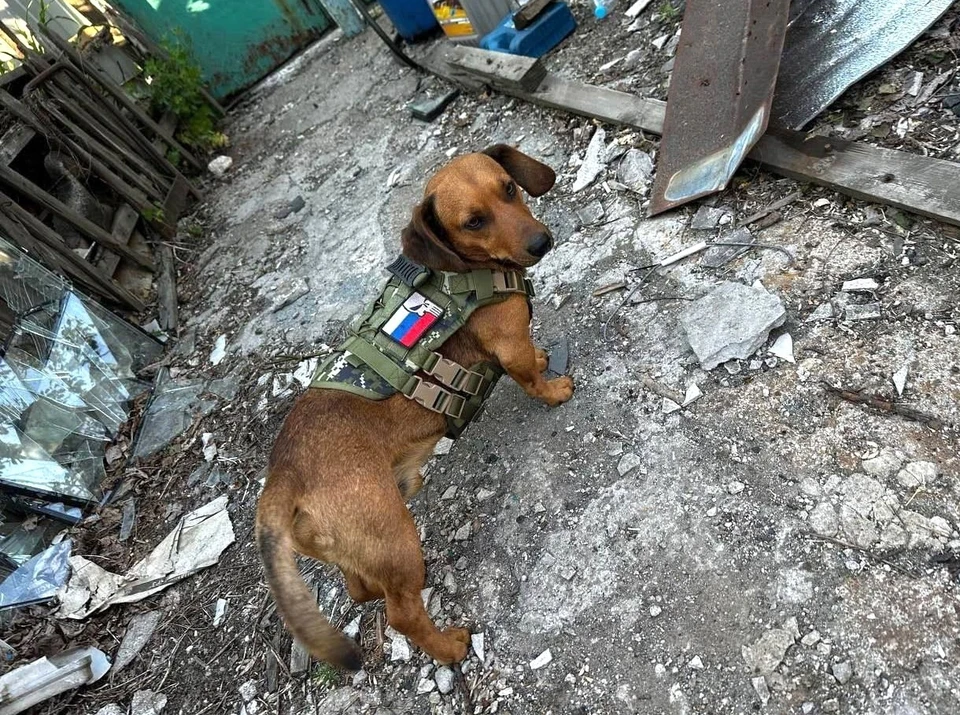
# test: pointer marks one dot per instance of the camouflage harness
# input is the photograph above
(393, 344)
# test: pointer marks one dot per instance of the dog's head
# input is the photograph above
(473, 214)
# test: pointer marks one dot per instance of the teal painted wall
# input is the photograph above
(235, 42)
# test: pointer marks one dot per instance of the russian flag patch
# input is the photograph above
(412, 319)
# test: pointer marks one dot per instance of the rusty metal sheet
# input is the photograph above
(720, 94)
(831, 44)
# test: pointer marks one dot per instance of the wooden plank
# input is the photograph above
(167, 306)
(919, 184)
(62, 257)
(87, 227)
(125, 220)
(14, 141)
(436, 62)
(514, 71)
(525, 16)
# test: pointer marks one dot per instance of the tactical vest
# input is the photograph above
(393, 344)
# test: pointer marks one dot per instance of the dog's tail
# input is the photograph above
(295, 603)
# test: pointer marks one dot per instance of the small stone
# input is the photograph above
(352, 629)
(359, 678)
(712, 511)
(811, 639)
(628, 462)
(735, 487)
(443, 446)
(823, 312)
(766, 654)
(792, 627)
(917, 474)
(635, 170)
(219, 351)
(860, 284)
(591, 213)
(484, 494)
(594, 161)
(696, 663)
(655, 611)
(732, 321)
(824, 520)
(399, 648)
(450, 493)
(831, 706)
(220, 165)
(449, 582)
(463, 533)
(760, 685)
(883, 465)
(807, 707)
(842, 672)
(248, 691)
(445, 679)
(870, 311)
(111, 709)
(476, 640)
(709, 217)
(147, 702)
(809, 487)
(425, 686)
(541, 660)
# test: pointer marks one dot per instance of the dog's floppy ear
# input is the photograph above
(422, 240)
(535, 178)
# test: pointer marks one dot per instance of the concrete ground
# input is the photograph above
(770, 547)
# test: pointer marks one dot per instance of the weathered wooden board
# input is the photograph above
(919, 184)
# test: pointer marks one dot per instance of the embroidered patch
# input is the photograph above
(412, 319)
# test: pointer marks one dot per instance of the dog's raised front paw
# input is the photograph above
(558, 391)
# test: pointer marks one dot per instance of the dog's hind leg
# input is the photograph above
(359, 589)
(404, 574)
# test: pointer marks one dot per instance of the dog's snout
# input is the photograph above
(540, 244)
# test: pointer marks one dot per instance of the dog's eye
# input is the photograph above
(473, 223)
(511, 189)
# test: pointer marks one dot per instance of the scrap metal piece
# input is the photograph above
(45, 677)
(831, 44)
(720, 94)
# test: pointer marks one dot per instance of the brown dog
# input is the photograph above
(343, 467)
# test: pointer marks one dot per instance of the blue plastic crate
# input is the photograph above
(414, 19)
(547, 31)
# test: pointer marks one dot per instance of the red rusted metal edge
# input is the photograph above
(720, 95)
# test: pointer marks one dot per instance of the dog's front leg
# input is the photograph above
(505, 331)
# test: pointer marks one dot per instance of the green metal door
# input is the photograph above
(235, 42)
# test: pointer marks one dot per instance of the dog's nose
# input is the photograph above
(540, 244)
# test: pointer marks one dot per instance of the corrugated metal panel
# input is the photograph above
(833, 43)
(236, 42)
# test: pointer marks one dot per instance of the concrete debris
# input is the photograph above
(695, 663)
(352, 629)
(824, 520)
(220, 165)
(219, 351)
(823, 312)
(399, 647)
(628, 462)
(219, 611)
(147, 702)
(731, 322)
(669, 406)
(783, 347)
(883, 464)
(476, 640)
(445, 679)
(289, 293)
(900, 379)
(867, 285)
(591, 214)
(768, 652)
(831, 705)
(842, 672)
(463, 533)
(635, 170)
(594, 161)
(811, 639)
(426, 685)
(443, 446)
(111, 709)
(541, 660)
(869, 311)
(637, 7)
(209, 447)
(917, 474)
(718, 256)
(138, 634)
(655, 611)
(760, 686)
(248, 691)
(710, 217)
(735, 487)
(196, 543)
